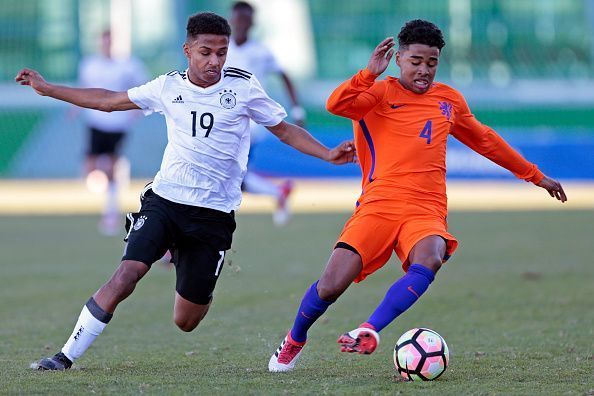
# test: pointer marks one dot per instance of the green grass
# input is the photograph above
(514, 305)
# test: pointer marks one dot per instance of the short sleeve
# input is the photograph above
(261, 108)
(148, 96)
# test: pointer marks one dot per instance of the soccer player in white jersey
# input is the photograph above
(249, 54)
(107, 131)
(190, 209)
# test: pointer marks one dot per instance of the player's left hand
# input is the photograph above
(344, 153)
(553, 187)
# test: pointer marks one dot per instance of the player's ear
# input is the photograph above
(397, 57)
(186, 50)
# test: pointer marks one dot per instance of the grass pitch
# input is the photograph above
(515, 306)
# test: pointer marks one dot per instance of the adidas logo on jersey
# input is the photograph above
(178, 100)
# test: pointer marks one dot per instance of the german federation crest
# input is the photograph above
(139, 223)
(227, 99)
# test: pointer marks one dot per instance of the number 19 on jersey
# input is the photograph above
(206, 122)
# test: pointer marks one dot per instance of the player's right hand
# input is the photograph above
(344, 153)
(380, 58)
(32, 78)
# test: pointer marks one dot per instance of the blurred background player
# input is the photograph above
(107, 131)
(249, 54)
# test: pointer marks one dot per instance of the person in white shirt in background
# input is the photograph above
(249, 54)
(107, 131)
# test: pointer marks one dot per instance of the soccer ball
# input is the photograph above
(421, 354)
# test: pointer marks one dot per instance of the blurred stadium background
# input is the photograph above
(513, 306)
(526, 68)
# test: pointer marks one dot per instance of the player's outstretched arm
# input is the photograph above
(303, 141)
(489, 144)
(553, 187)
(92, 98)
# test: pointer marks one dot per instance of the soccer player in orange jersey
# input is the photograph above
(401, 127)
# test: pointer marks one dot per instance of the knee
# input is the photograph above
(328, 292)
(186, 324)
(187, 315)
(432, 262)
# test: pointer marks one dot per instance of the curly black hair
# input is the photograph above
(207, 23)
(419, 31)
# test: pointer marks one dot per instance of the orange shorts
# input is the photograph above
(376, 233)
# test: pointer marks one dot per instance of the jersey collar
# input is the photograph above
(396, 82)
(195, 87)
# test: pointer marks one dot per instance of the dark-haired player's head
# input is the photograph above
(419, 47)
(207, 23)
(241, 20)
(419, 31)
(207, 41)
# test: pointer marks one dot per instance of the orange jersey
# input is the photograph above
(401, 138)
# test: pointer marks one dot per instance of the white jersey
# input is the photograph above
(254, 57)
(208, 134)
(115, 74)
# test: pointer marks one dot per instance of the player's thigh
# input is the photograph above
(198, 266)
(105, 142)
(201, 239)
(115, 143)
(429, 231)
(429, 252)
(150, 234)
(94, 142)
(373, 237)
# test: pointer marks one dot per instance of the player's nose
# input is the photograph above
(423, 70)
(214, 60)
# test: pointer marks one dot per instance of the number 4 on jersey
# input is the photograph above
(426, 132)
